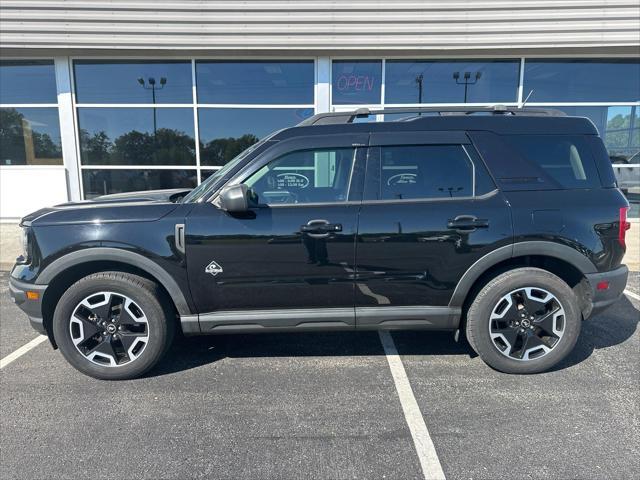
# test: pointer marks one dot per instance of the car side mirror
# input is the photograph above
(235, 199)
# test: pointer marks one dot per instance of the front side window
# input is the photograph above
(304, 176)
(424, 172)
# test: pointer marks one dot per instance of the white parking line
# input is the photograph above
(22, 350)
(632, 295)
(431, 468)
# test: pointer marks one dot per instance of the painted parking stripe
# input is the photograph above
(632, 294)
(22, 350)
(427, 455)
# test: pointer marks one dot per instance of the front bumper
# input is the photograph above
(616, 281)
(31, 306)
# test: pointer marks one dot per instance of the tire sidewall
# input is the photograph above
(493, 292)
(150, 305)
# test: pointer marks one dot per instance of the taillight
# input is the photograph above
(623, 226)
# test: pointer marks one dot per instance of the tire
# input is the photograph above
(113, 325)
(524, 321)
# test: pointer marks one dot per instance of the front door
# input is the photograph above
(288, 262)
(430, 210)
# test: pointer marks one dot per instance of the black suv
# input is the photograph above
(504, 224)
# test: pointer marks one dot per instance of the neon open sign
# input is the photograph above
(355, 83)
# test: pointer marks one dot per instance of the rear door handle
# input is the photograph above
(467, 223)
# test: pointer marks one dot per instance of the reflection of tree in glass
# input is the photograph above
(621, 137)
(13, 135)
(169, 147)
(220, 150)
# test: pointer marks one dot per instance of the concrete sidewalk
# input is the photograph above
(10, 245)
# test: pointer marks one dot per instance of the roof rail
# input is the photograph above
(334, 118)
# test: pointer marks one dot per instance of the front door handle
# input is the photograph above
(467, 223)
(320, 228)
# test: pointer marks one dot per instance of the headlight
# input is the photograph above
(25, 243)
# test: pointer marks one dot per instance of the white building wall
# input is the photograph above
(322, 25)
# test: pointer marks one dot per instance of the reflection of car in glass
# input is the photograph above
(507, 226)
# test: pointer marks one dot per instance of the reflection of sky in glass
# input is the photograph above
(582, 80)
(263, 82)
(228, 122)
(498, 81)
(43, 120)
(27, 82)
(117, 81)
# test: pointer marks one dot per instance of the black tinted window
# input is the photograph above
(306, 176)
(425, 171)
(100, 81)
(564, 161)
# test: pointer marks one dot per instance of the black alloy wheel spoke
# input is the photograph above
(546, 322)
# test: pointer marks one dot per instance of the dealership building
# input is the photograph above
(112, 96)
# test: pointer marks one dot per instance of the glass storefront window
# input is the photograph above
(225, 132)
(261, 82)
(356, 82)
(460, 81)
(582, 80)
(30, 136)
(27, 81)
(103, 81)
(98, 182)
(619, 127)
(136, 136)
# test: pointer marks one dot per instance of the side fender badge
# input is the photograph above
(213, 268)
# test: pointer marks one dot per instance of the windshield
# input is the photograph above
(197, 193)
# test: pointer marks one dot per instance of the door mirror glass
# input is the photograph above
(235, 199)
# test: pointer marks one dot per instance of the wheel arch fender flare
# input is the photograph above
(520, 249)
(137, 260)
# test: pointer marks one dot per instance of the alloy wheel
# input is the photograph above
(109, 329)
(527, 323)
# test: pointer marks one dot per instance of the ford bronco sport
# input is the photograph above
(503, 224)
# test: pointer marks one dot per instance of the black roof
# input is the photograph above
(526, 122)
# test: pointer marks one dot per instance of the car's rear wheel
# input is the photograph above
(113, 325)
(524, 321)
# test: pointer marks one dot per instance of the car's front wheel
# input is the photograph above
(113, 325)
(524, 321)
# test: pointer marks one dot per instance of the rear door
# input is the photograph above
(429, 211)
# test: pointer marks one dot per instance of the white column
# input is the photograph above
(67, 127)
(323, 85)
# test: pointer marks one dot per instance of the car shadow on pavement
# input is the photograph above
(605, 330)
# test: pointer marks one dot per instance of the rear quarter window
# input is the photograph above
(564, 160)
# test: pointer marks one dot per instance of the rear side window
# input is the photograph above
(425, 171)
(564, 160)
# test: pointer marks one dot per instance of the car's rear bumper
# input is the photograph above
(31, 303)
(615, 282)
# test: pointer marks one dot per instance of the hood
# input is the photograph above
(122, 207)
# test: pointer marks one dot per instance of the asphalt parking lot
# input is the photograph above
(323, 406)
